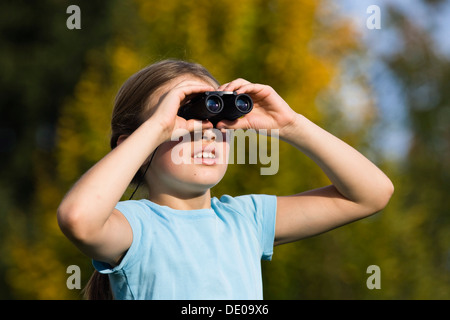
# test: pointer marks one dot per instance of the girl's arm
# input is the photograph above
(358, 187)
(87, 214)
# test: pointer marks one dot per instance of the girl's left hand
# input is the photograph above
(270, 111)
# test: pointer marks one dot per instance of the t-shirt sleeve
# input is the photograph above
(265, 215)
(136, 214)
(261, 210)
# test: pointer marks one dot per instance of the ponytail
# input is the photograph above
(98, 287)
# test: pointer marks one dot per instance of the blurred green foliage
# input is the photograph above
(58, 87)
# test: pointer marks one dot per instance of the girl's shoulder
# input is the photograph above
(251, 204)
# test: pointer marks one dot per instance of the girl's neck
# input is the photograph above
(182, 202)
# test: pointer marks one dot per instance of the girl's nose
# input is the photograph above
(209, 135)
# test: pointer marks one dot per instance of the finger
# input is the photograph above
(235, 84)
(191, 89)
(253, 88)
(186, 91)
(170, 102)
(223, 87)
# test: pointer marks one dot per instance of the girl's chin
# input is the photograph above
(191, 176)
(204, 177)
(198, 187)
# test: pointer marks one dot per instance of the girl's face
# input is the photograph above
(193, 163)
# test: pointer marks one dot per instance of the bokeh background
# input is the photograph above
(384, 91)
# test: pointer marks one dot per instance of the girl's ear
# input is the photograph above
(122, 138)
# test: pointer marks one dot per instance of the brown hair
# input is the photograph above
(129, 107)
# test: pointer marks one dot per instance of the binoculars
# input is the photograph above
(216, 106)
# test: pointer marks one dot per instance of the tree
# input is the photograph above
(422, 205)
(41, 61)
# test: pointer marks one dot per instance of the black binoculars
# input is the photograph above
(216, 106)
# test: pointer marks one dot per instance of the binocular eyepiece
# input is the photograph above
(216, 106)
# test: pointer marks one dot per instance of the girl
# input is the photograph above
(180, 243)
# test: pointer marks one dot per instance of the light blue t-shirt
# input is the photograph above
(195, 254)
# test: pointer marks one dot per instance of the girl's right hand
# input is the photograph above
(164, 107)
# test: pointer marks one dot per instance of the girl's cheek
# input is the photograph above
(174, 153)
(164, 152)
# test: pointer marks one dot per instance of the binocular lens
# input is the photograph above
(214, 104)
(243, 104)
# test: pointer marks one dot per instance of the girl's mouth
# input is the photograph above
(207, 156)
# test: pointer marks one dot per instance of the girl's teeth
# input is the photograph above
(208, 155)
